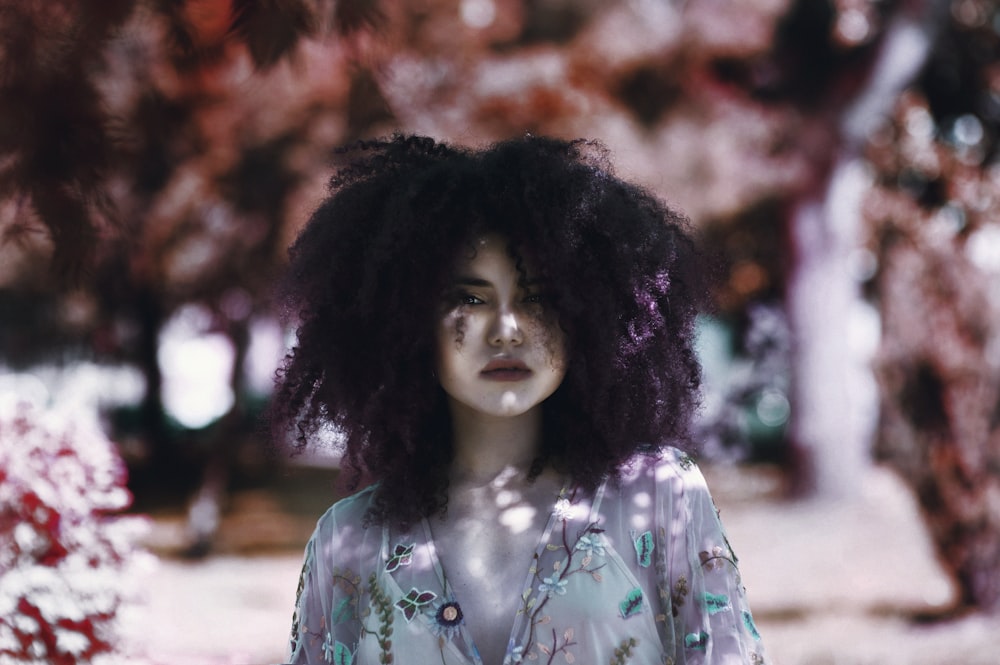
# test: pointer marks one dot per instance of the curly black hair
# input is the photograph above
(367, 277)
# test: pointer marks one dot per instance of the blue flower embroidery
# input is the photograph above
(515, 654)
(553, 586)
(328, 648)
(591, 544)
(448, 618)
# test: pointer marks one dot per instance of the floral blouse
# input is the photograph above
(640, 573)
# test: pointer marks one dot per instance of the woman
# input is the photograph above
(503, 339)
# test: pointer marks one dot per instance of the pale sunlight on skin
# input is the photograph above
(518, 519)
(497, 354)
(515, 515)
(477, 567)
(639, 521)
(507, 497)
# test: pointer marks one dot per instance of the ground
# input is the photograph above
(847, 581)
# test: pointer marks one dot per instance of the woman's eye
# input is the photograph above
(469, 299)
(535, 298)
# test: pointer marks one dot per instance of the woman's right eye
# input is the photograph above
(469, 299)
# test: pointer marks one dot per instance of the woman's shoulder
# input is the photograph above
(348, 512)
(343, 538)
(665, 464)
(657, 473)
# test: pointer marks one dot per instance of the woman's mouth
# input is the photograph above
(505, 370)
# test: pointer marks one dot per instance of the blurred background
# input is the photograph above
(839, 158)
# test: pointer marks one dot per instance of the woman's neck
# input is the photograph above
(490, 449)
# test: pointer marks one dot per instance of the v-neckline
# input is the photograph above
(517, 619)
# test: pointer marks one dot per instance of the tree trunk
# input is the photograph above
(835, 399)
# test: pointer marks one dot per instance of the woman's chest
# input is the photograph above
(513, 587)
(487, 563)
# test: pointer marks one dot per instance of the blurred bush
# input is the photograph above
(62, 547)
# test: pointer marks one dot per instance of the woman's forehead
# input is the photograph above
(481, 250)
(490, 247)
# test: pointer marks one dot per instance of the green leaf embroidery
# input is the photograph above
(382, 607)
(624, 651)
(632, 604)
(751, 626)
(716, 603)
(343, 612)
(644, 548)
(341, 654)
(696, 641)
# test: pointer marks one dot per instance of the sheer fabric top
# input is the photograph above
(638, 573)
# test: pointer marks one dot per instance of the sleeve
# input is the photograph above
(325, 624)
(712, 620)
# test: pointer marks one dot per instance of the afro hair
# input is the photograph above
(368, 273)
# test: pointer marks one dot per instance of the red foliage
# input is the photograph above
(61, 550)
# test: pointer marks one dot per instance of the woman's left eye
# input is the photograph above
(535, 298)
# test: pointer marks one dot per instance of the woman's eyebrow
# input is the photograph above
(466, 280)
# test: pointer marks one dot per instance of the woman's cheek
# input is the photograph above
(452, 329)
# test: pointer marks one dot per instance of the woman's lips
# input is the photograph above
(505, 370)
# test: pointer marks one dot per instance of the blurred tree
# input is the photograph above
(189, 129)
(172, 147)
(152, 153)
(934, 214)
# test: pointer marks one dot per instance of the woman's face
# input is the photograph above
(498, 352)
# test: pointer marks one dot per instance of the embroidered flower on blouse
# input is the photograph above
(515, 654)
(402, 555)
(678, 595)
(413, 601)
(564, 509)
(447, 619)
(553, 586)
(715, 560)
(591, 544)
(328, 647)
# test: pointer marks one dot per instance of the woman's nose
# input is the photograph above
(506, 329)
